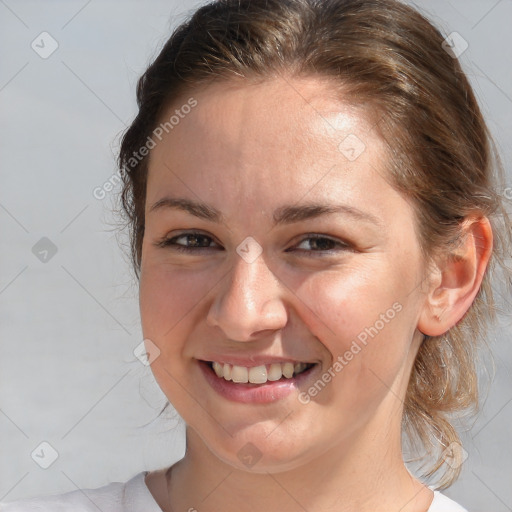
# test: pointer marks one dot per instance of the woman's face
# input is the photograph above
(284, 244)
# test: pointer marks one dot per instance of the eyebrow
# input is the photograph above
(287, 214)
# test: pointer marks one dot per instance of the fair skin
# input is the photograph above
(247, 150)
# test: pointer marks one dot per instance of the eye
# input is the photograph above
(322, 244)
(189, 241)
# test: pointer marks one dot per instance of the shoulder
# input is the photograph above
(130, 496)
(442, 503)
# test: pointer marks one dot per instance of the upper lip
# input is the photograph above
(253, 360)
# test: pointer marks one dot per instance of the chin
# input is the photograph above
(259, 452)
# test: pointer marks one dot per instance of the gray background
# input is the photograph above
(69, 325)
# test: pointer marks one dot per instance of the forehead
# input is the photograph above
(280, 112)
(277, 139)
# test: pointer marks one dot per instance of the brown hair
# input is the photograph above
(388, 59)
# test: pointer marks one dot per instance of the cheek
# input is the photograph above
(360, 318)
(344, 302)
(169, 301)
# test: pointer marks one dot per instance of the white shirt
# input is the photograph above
(134, 496)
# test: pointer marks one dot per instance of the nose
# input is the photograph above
(248, 303)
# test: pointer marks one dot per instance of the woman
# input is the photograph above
(314, 217)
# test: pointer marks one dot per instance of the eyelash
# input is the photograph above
(170, 243)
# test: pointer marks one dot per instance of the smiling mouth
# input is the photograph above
(258, 374)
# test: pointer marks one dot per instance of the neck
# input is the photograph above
(363, 474)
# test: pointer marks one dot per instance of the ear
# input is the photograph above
(455, 284)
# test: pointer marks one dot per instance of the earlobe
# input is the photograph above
(457, 283)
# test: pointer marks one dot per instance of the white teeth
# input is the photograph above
(275, 372)
(226, 370)
(258, 374)
(288, 370)
(217, 367)
(239, 374)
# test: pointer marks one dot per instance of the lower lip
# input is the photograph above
(254, 393)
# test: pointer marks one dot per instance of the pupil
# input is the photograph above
(195, 240)
(322, 243)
